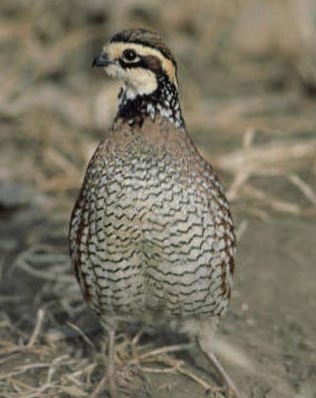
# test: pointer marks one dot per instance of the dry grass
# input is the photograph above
(49, 99)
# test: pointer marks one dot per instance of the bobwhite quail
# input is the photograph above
(151, 233)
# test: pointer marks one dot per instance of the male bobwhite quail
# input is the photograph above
(151, 233)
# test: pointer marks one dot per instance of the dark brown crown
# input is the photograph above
(145, 37)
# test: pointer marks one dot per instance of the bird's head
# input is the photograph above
(141, 59)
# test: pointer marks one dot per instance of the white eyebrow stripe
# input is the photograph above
(115, 50)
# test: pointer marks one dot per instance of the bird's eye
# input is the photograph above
(129, 55)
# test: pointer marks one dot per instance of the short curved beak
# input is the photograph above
(101, 60)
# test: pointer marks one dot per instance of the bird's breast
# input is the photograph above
(150, 239)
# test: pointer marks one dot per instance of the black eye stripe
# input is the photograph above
(149, 62)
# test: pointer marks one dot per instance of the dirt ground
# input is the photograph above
(248, 96)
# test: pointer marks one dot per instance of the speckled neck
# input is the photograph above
(163, 103)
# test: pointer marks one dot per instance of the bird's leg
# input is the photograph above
(110, 372)
(111, 364)
(205, 342)
(210, 355)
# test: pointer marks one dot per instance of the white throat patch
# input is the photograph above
(137, 81)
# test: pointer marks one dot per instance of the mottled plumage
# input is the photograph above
(151, 234)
